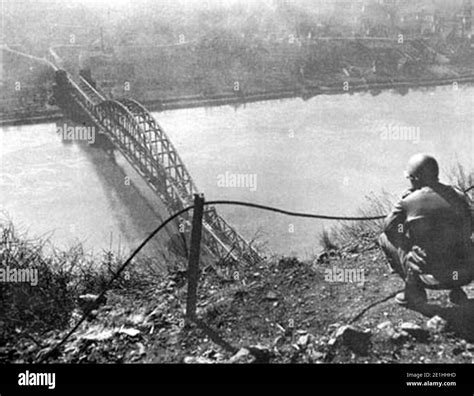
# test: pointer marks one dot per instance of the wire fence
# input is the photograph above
(193, 261)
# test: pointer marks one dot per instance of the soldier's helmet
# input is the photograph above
(422, 167)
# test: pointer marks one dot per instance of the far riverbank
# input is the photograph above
(23, 117)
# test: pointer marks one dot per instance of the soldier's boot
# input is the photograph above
(414, 294)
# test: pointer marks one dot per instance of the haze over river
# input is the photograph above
(324, 155)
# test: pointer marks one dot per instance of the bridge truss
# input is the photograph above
(141, 140)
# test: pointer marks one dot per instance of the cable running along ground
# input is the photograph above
(186, 209)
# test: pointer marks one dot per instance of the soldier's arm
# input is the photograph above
(394, 226)
(468, 206)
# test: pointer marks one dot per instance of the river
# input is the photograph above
(323, 155)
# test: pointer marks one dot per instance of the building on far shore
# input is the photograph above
(466, 20)
(1, 66)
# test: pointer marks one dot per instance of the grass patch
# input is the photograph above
(62, 277)
(346, 233)
(461, 177)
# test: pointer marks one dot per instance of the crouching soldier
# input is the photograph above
(427, 237)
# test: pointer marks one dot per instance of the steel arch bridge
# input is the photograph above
(141, 140)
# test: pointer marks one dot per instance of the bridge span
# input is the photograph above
(140, 139)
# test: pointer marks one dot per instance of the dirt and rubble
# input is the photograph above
(281, 310)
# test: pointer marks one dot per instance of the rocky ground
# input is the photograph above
(277, 311)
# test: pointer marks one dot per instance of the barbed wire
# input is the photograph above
(116, 275)
(295, 214)
(185, 210)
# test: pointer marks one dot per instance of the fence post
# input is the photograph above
(193, 263)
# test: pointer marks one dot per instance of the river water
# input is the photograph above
(324, 155)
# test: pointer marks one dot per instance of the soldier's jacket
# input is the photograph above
(439, 220)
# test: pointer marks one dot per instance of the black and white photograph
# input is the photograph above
(268, 190)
